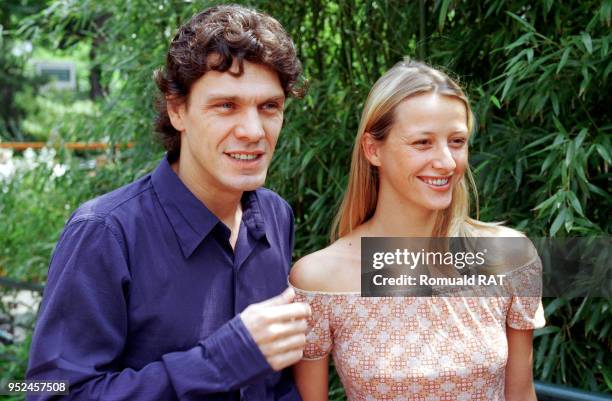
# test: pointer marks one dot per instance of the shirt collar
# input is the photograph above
(191, 220)
(252, 215)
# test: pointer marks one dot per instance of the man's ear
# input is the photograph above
(370, 148)
(176, 112)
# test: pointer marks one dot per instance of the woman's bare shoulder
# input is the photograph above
(330, 269)
(497, 231)
(507, 245)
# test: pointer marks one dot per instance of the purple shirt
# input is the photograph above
(144, 292)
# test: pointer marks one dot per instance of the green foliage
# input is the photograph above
(538, 75)
(37, 200)
(53, 115)
(574, 347)
(57, 117)
(13, 76)
(13, 364)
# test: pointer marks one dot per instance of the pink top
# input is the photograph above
(418, 348)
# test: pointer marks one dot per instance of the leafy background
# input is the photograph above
(537, 73)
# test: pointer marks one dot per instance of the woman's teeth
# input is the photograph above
(436, 181)
(239, 156)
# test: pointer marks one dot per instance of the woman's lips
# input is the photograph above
(437, 183)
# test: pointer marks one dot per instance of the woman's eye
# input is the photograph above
(459, 141)
(421, 142)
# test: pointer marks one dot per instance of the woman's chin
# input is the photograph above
(437, 205)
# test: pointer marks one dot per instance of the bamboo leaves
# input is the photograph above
(538, 77)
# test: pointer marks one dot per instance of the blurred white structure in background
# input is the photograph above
(61, 73)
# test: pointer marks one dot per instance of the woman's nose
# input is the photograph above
(443, 159)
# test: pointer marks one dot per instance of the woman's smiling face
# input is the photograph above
(425, 153)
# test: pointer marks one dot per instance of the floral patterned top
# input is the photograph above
(417, 348)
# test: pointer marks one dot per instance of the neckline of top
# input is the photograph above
(313, 292)
(306, 292)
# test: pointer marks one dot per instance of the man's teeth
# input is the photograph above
(436, 181)
(240, 156)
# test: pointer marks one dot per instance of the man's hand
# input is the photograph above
(278, 326)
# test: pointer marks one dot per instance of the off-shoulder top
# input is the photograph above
(418, 348)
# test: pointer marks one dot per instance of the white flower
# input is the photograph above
(7, 169)
(29, 156)
(59, 170)
(5, 155)
(46, 155)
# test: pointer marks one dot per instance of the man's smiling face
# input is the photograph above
(229, 127)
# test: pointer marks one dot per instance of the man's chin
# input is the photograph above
(247, 184)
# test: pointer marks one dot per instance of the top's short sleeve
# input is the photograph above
(526, 311)
(319, 340)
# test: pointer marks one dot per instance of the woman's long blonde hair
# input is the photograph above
(407, 78)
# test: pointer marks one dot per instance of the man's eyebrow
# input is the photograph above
(237, 99)
(276, 98)
(225, 98)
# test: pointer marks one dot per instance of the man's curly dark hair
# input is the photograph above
(230, 32)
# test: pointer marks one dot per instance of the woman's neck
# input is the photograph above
(394, 218)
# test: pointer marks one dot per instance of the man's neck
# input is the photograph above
(223, 204)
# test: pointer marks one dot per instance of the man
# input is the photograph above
(163, 289)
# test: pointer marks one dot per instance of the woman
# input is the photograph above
(409, 178)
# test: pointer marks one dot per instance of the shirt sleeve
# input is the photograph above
(83, 324)
(319, 338)
(526, 311)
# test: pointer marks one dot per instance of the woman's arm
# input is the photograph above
(519, 377)
(311, 273)
(311, 378)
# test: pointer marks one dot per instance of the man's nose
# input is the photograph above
(250, 126)
(443, 159)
